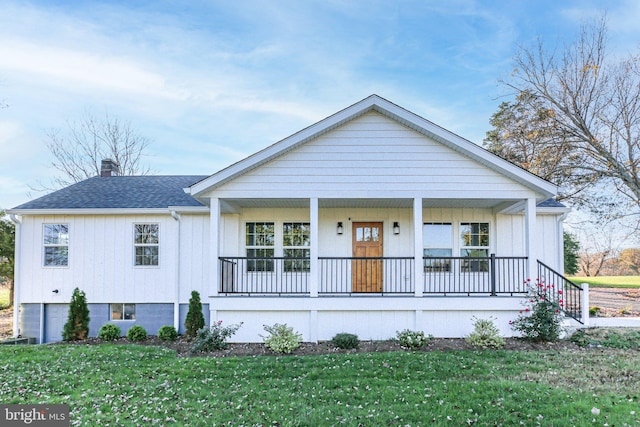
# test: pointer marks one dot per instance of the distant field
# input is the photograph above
(609, 281)
(4, 297)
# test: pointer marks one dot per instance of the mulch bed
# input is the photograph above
(182, 346)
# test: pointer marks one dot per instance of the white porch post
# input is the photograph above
(314, 222)
(418, 270)
(214, 247)
(529, 231)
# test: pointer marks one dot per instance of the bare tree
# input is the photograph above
(594, 101)
(78, 152)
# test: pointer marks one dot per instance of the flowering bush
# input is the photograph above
(214, 338)
(412, 339)
(541, 318)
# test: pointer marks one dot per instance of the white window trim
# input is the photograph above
(48, 245)
(135, 245)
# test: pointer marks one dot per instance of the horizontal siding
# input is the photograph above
(372, 154)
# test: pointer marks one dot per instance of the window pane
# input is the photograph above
(129, 311)
(475, 265)
(440, 260)
(296, 234)
(437, 235)
(56, 256)
(260, 234)
(300, 264)
(359, 234)
(259, 264)
(474, 234)
(146, 255)
(56, 234)
(146, 234)
(116, 312)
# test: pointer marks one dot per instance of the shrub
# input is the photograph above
(77, 326)
(541, 319)
(167, 333)
(485, 334)
(593, 311)
(214, 338)
(281, 338)
(109, 332)
(346, 341)
(607, 337)
(412, 339)
(136, 333)
(195, 319)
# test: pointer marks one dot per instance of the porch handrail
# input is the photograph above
(264, 275)
(571, 293)
(492, 275)
(393, 275)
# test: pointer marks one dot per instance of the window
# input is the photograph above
(474, 242)
(437, 243)
(260, 243)
(56, 245)
(123, 312)
(146, 244)
(296, 238)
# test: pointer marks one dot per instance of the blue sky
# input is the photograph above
(210, 82)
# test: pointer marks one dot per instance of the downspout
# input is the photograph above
(176, 298)
(560, 221)
(16, 274)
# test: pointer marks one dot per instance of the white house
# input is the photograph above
(370, 221)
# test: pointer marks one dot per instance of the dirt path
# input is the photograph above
(612, 303)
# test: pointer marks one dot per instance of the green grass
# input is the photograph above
(609, 281)
(4, 297)
(134, 385)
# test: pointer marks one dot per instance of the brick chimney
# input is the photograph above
(109, 168)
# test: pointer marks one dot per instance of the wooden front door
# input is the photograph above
(366, 274)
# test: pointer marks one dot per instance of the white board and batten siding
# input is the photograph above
(101, 259)
(368, 157)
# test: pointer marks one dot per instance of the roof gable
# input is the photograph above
(394, 112)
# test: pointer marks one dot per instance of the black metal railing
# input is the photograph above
(264, 275)
(558, 288)
(490, 275)
(361, 275)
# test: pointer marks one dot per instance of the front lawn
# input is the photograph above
(609, 281)
(134, 385)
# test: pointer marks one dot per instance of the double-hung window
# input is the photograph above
(474, 243)
(56, 245)
(296, 238)
(146, 242)
(260, 245)
(438, 246)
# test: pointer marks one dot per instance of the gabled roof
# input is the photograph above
(395, 112)
(119, 192)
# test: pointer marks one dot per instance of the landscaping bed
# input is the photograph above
(182, 346)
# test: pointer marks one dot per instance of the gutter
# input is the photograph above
(16, 274)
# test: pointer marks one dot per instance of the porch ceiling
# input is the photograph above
(231, 205)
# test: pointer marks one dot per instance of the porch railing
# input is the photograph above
(264, 275)
(490, 275)
(562, 290)
(355, 275)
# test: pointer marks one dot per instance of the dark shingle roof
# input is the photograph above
(551, 203)
(133, 192)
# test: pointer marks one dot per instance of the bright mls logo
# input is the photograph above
(34, 415)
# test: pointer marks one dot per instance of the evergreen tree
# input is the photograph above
(77, 326)
(195, 318)
(571, 248)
